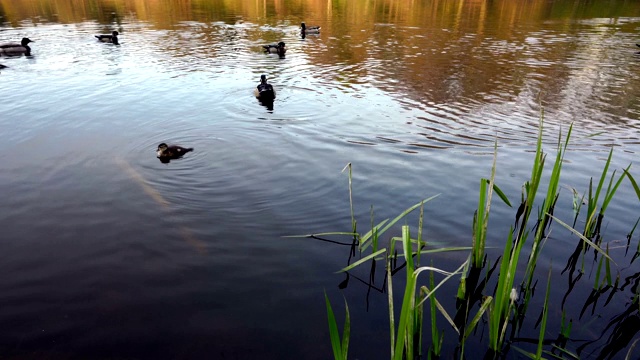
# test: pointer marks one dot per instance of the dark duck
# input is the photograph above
(279, 48)
(264, 91)
(306, 30)
(16, 49)
(113, 38)
(171, 152)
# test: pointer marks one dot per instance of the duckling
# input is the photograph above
(15, 49)
(113, 38)
(167, 152)
(309, 29)
(264, 91)
(279, 49)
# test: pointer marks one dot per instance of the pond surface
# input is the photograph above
(106, 252)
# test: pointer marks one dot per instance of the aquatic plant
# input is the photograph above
(504, 307)
(340, 345)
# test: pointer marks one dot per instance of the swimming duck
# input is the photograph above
(15, 49)
(279, 49)
(113, 38)
(264, 91)
(168, 152)
(309, 29)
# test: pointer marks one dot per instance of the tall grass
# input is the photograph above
(504, 306)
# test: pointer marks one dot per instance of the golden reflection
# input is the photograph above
(442, 50)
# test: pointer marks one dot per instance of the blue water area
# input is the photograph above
(107, 252)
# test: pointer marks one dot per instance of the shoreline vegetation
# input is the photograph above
(498, 292)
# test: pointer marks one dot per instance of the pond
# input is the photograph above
(107, 252)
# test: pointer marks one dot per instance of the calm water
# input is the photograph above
(108, 253)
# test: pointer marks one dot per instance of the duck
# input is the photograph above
(264, 91)
(279, 48)
(15, 49)
(170, 152)
(309, 29)
(113, 38)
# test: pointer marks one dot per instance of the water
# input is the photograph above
(109, 253)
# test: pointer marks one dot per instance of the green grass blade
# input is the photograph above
(445, 315)
(404, 339)
(501, 194)
(604, 174)
(353, 219)
(633, 183)
(545, 314)
(596, 247)
(565, 351)
(364, 240)
(363, 260)
(346, 332)
(524, 352)
(456, 248)
(610, 191)
(447, 274)
(474, 322)
(392, 325)
(333, 330)
(374, 229)
(478, 234)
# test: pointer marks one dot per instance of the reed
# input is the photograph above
(340, 345)
(504, 307)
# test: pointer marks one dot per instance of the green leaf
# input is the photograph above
(596, 247)
(501, 194)
(364, 259)
(633, 183)
(346, 332)
(333, 330)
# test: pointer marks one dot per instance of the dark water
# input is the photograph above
(108, 253)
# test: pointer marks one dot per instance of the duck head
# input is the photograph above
(161, 149)
(281, 48)
(26, 41)
(263, 79)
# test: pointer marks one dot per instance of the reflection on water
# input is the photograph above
(109, 251)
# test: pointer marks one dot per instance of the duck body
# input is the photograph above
(113, 38)
(170, 152)
(264, 91)
(16, 49)
(279, 48)
(307, 30)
